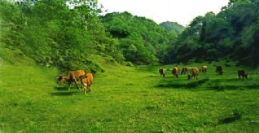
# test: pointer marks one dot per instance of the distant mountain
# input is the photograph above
(173, 27)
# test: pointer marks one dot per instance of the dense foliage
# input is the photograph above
(66, 33)
(141, 40)
(61, 33)
(173, 27)
(233, 33)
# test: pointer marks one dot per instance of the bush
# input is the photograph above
(129, 64)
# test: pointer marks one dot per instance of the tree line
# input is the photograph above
(57, 33)
(64, 33)
(232, 33)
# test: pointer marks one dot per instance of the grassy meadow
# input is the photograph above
(126, 99)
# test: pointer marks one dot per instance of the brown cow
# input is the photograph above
(175, 71)
(242, 73)
(204, 69)
(185, 70)
(72, 76)
(87, 80)
(219, 70)
(162, 72)
(194, 73)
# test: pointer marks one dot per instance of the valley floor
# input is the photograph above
(127, 99)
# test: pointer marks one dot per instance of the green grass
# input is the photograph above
(126, 99)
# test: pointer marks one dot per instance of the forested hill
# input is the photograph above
(173, 27)
(56, 34)
(232, 33)
(72, 36)
(141, 40)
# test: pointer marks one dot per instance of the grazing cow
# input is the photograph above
(242, 73)
(175, 71)
(184, 70)
(204, 69)
(72, 76)
(194, 73)
(162, 72)
(87, 80)
(219, 70)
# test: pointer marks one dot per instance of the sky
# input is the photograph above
(181, 11)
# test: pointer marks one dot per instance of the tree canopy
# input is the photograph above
(232, 33)
(173, 27)
(141, 40)
(65, 33)
(60, 33)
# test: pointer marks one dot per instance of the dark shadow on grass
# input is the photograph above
(236, 115)
(65, 88)
(214, 84)
(223, 84)
(234, 87)
(231, 79)
(68, 93)
(193, 84)
(61, 88)
(63, 91)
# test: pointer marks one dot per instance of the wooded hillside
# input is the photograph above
(66, 33)
(141, 40)
(232, 33)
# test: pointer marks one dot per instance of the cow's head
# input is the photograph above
(60, 79)
(82, 77)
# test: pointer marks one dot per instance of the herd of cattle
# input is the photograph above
(193, 72)
(87, 78)
(78, 75)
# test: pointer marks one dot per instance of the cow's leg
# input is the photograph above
(89, 88)
(69, 85)
(82, 83)
(76, 84)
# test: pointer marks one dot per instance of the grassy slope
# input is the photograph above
(125, 100)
